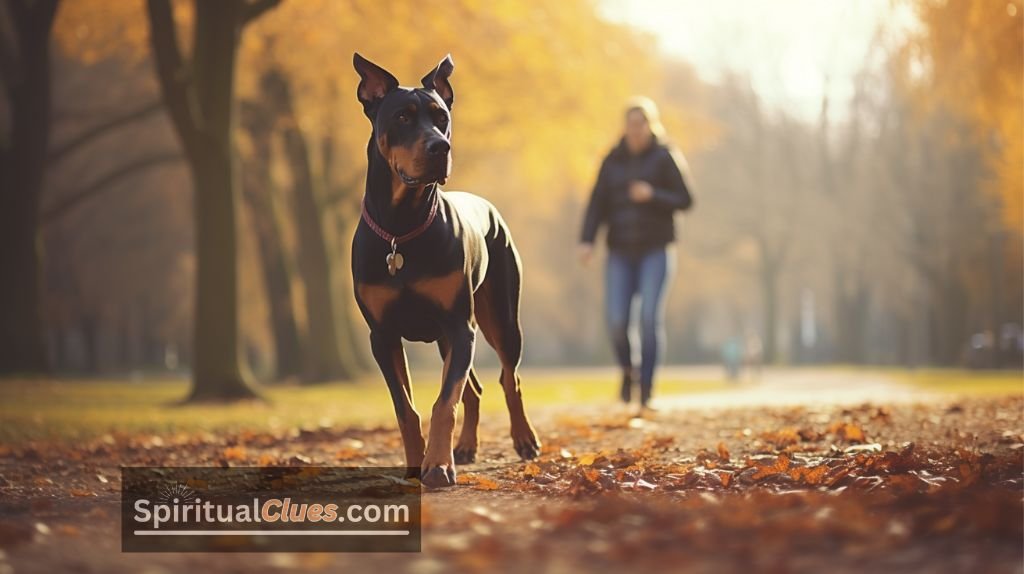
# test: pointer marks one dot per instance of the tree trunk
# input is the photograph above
(949, 328)
(91, 343)
(354, 329)
(348, 318)
(260, 195)
(329, 354)
(199, 101)
(22, 168)
(770, 305)
(22, 342)
(852, 316)
(217, 369)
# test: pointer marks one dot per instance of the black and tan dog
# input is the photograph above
(429, 265)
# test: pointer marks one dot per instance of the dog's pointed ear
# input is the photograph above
(375, 83)
(437, 80)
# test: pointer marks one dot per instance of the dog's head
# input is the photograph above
(411, 126)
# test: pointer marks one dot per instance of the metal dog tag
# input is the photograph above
(394, 260)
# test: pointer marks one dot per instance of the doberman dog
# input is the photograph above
(430, 265)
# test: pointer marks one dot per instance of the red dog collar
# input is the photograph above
(391, 238)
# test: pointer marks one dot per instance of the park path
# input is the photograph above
(772, 387)
(798, 386)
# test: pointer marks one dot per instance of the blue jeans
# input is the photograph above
(629, 277)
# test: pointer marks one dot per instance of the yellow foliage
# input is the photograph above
(972, 54)
(539, 88)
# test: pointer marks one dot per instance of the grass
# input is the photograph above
(959, 381)
(69, 410)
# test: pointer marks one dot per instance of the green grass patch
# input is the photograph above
(68, 410)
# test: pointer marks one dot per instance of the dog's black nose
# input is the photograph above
(438, 147)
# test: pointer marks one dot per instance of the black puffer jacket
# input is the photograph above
(636, 227)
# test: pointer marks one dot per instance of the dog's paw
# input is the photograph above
(439, 476)
(465, 454)
(527, 446)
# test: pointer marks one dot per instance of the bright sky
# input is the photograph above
(786, 46)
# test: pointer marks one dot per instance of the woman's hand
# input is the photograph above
(640, 191)
(586, 251)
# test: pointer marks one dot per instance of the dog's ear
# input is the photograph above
(375, 83)
(437, 80)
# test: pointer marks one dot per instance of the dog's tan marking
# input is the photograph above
(468, 442)
(442, 290)
(401, 157)
(376, 298)
(442, 423)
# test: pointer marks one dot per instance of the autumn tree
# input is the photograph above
(971, 57)
(328, 353)
(199, 95)
(25, 78)
(960, 73)
(261, 194)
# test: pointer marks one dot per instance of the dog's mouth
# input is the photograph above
(407, 179)
(422, 180)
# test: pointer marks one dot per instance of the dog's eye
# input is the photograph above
(403, 117)
(442, 121)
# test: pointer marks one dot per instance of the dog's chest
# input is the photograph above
(430, 290)
(417, 310)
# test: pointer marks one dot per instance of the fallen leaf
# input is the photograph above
(848, 432)
(723, 452)
(778, 466)
(234, 453)
(477, 482)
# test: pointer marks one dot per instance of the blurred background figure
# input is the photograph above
(639, 188)
(753, 354)
(732, 355)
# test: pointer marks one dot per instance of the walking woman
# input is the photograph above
(639, 188)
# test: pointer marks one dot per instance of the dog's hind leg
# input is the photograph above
(390, 357)
(465, 448)
(497, 313)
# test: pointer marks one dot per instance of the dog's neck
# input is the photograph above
(395, 206)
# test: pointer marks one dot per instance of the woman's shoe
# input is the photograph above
(646, 411)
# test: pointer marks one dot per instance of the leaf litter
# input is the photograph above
(935, 487)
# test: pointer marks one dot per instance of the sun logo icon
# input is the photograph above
(177, 493)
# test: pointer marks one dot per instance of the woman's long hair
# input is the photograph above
(649, 110)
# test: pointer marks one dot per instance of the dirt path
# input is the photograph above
(802, 472)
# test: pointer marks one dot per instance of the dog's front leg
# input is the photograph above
(390, 356)
(439, 462)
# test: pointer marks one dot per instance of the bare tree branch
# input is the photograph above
(106, 183)
(29, 24)
(172, 74)
(103, 127)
